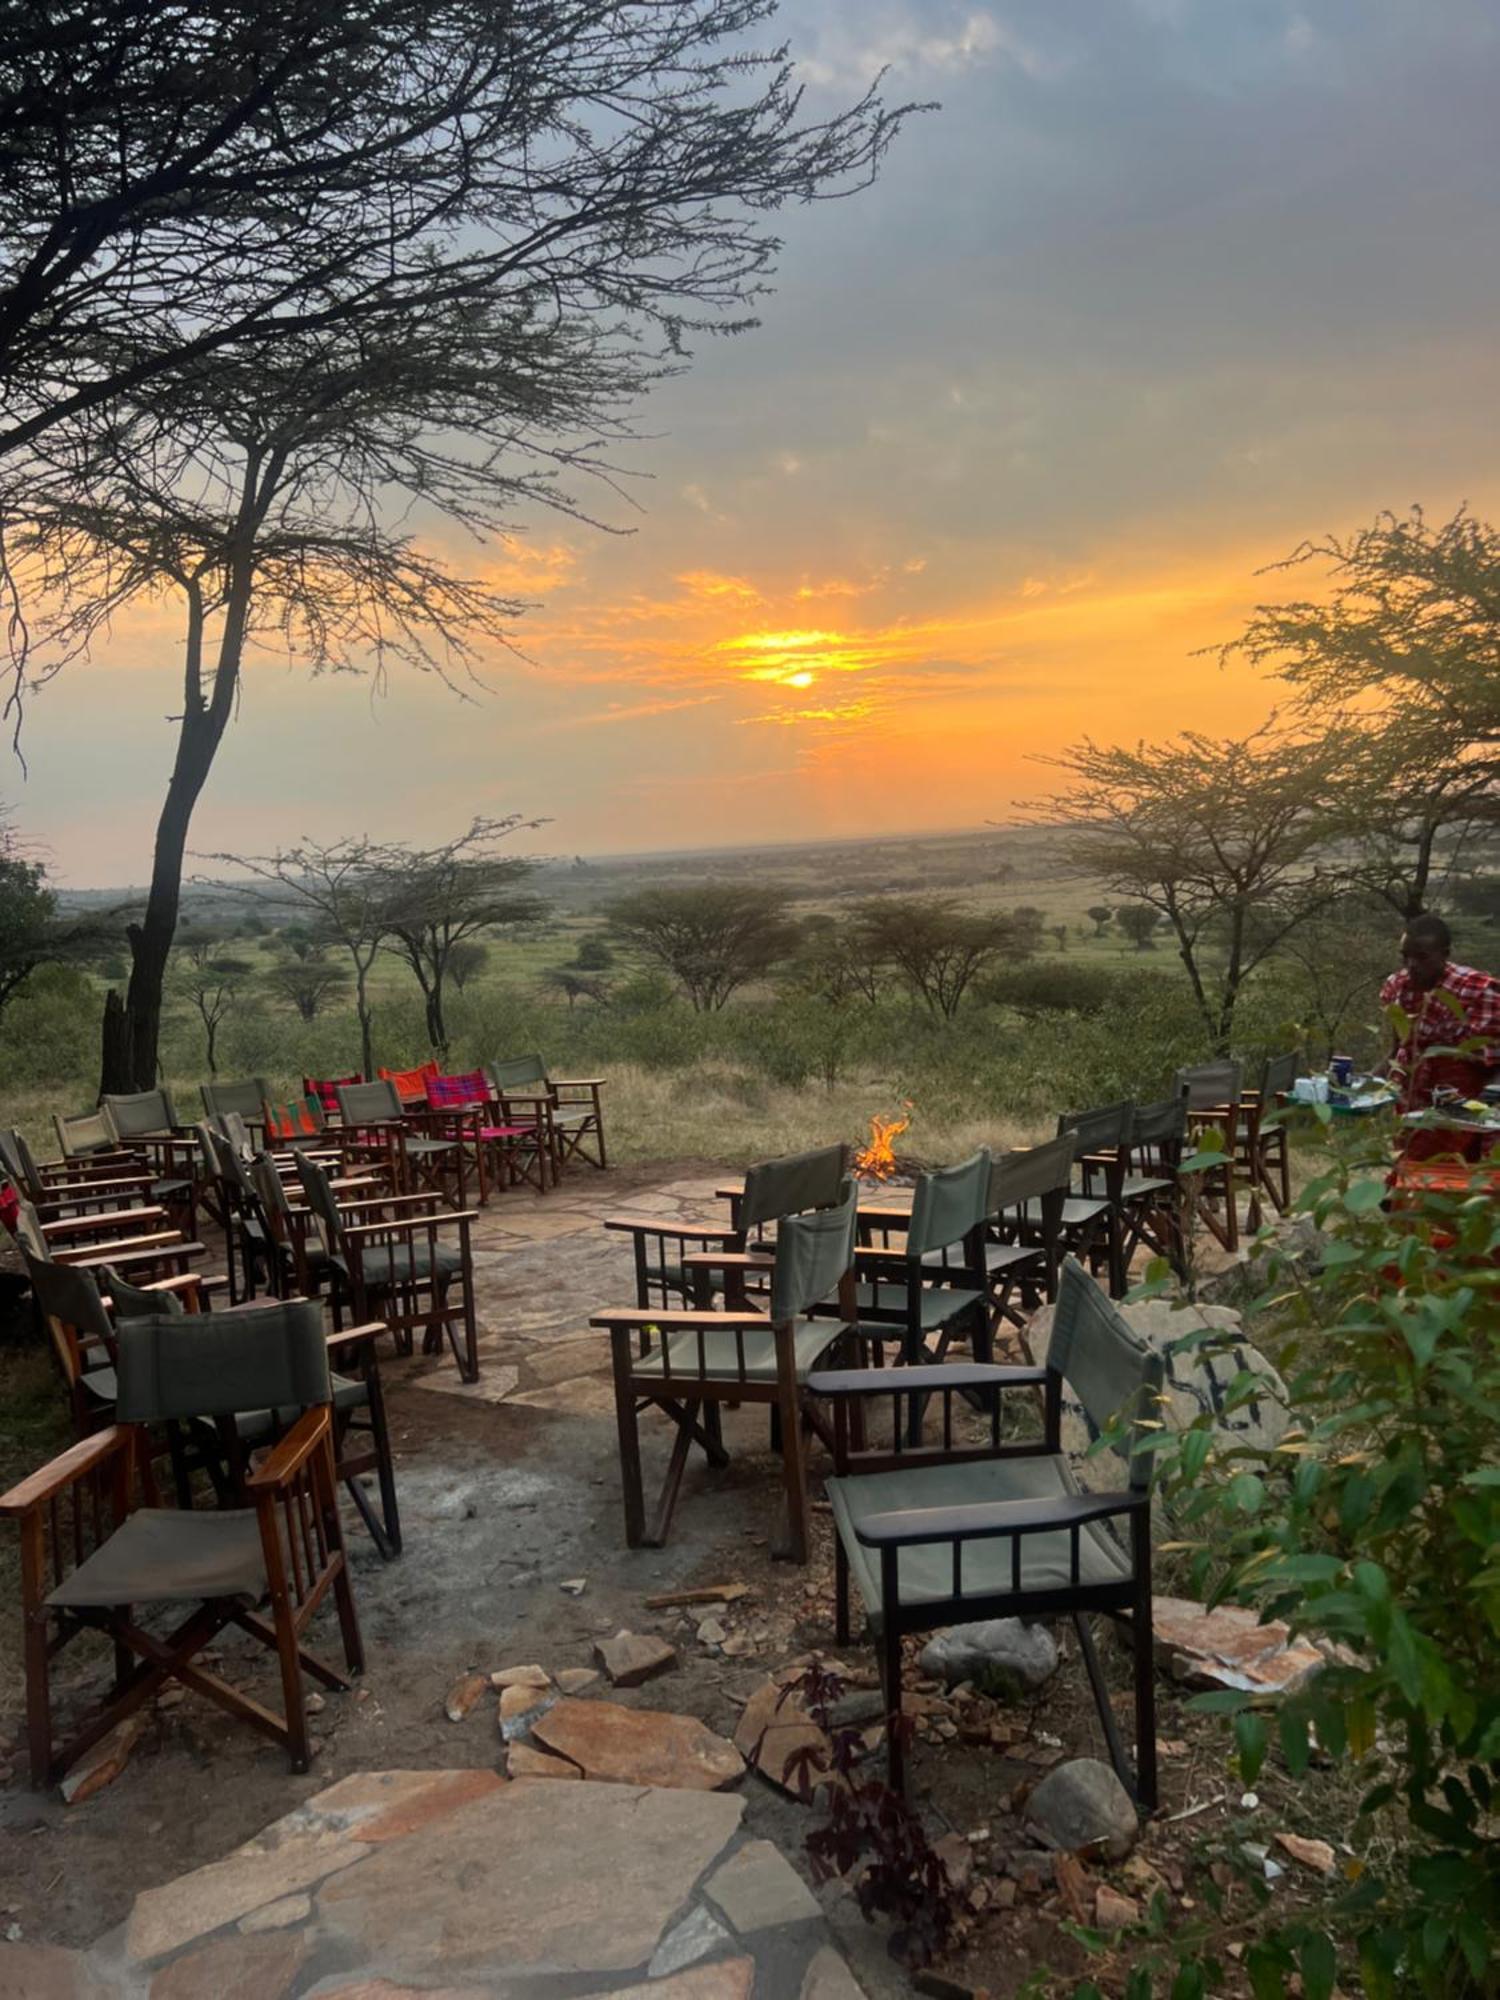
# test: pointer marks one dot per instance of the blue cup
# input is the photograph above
(1341, 1069)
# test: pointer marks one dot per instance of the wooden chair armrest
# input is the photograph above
(880, 1253)
(728, 1260)
(928, 1376)
(65, 1191)
(64, 1470)
(884, 1214)
(987, 1519)
(409, 1224)
(428, 1199)
(288, 1457)
(677, 1318)
(129, 1250)
(356, 1336)
(71, 1225)
(579, 1083)
(687, 1232)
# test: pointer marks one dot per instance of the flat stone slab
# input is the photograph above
(776, 1734)
(632, 1657)
(757, 1889)
(639, 1746)
(1228, 1647)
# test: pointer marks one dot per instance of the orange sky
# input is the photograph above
(1162, 289)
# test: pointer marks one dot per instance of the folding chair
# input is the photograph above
(394, 1266)
(689, 1361)
(91, 1552)
(242, 1096)
(1023, 1228)
(89, 1136)
(1152, 1197)
(372, 1115)
(1264, 1162)
(248, 1251)
(935, 1284)
(575, 1106)
(135, 1236)
(524, 1108)
(62, 1191)
(1212, 1091)
(952, 1532)
(1093, 1222)
(674, 1260)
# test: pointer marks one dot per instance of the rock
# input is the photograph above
(279, 1915)
(775, 1732)
(522, 1677)
(1197, 1381)
(464, 1695)
(1005, 1893)
(519, 1701)
(1112, 1911)
(575, 1586)
(1314, 1854)
(632, 1657)
(957, 1858)
(1002, 1655)
(738, 1646)
(573, 1680)
(695, 1937)
(712, 1632)
(104, 1763)
(1083, 1807)
(708, 1593)
(639, 1746)
(1295, 1243)
(855, 1710)
(757, 1889)
(1072, 1881)
(829, 1978)
(1230, 1648)
(524, 1760)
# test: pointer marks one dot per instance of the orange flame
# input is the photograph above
(877, 1160)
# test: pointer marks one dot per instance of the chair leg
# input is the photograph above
(840, 1591)
(34, 1585)
(794, 1472)
(627, 1425)
(385, 1471)
(890, 1673)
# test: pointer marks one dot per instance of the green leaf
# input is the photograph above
(1250, 1741)
(1191, 1983)
(1247, 1491)
(1267, 1964)
(1291, 1727)
(1364, 1196)
(1318, 1963)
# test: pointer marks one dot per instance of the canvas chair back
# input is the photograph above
(173, 1365)
(243, 1095)
(1163, 1123)
(20, 1164)
(1278, 1075)
(88, 1132)
(232, 1129)
(1101, 1129)
(1207, 1085)
(1029, 1174)
(323, 1203)
(268, 1186)
(792, 1185)
(814, 1253)
(225, 1163)
(1108, 1367)
(140, 1113)
(70, 1302)
(127, 1301)
(520, 1073)
(949, 1203)
(369, 1103)
(298, 1118)
(29, 1232)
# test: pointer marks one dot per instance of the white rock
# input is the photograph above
(1007, 1651)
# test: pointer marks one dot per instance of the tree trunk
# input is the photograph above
(132, 1034)
(366, 1034)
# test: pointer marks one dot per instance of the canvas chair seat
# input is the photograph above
(425, 1149)
(253, 1425)
(997, 1256)
(386, 1265)
(926, 1572)
(1077, 1211)
(811, 1339)
(101, 1383)
(168, 1555)
(1135, 1185)
(939, 1303)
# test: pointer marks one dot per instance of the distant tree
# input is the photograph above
(1337, 963)
(574, 985)
(210, 978)
(1478, 896)
(593, 955)
(299, 941)
(1060, 932)
(343, 886)
(936, 949)
(29, 931)
(833, 963)
(1225, 840)
(1027, 922)
(438, 898)
(1140, 924)
(308, 984)
(466, 960)
(1099, 915)
(712, 937)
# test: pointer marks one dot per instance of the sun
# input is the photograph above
(799, 680)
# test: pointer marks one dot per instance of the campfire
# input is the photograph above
(876, 1161)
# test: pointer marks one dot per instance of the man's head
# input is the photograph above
(1425, 945)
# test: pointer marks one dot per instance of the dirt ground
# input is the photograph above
(503, 1503)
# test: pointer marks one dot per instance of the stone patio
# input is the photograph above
(464, 1883)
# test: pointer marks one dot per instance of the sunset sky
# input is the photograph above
(1165, 286)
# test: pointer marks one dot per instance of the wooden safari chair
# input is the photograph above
(575, 1108)
(373, 1116)
(1153, 1200)
(145, 1122)
(1023, 1229)
(88, 1137)
(403, 1258)
(689, 1361)
(62, 1191)
(954, 1531)
(243, 1096)
(96, 1546)
(138, 1237)
(1212, 1093)
(1093, 1219)
(1264, 1162)
(674, 1260)
(932, 1287)
(361, 1435)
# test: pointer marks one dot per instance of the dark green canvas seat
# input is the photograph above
(936, 1304)
(963, 1530)
(387, 1265)
(811, 1340)
(906, 1299)
(163, 1555)
(926, 1572)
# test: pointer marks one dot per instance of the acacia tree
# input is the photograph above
(1402, 658)
(597, 195)
(438, 898)
(178, 184)
(1227, 840)
(712, 937)
(341, 888)
(936, 949)
(308, 984)
(1140, 923)
(29, 931)
(209, 977)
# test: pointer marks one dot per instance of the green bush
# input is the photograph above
(1375, 1528)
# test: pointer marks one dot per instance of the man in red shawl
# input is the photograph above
(1447, 1007)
